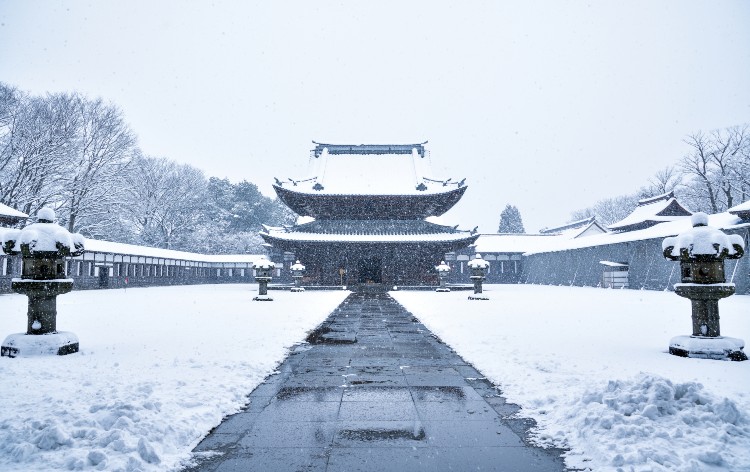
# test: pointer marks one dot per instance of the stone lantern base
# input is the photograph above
(52, 344)
(703, 347)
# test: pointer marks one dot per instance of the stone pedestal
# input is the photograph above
(42, 311)
(23, 345)
(263, 290)
(442, 271)
(477, 280)
(297, 284)
(706, 342)
(41, 337)
(705, 304)
(704, 347)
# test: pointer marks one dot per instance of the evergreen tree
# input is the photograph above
(510, 220)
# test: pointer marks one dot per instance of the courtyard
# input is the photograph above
(159, 368)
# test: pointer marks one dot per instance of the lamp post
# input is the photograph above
(263, 273)
(443, 269)
(43, 247)
(297, 271)
(478, 268)
(701, 252)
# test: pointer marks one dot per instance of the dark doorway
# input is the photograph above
(103, 277)
(370, 270)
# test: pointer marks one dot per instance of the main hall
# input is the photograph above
(367, 215)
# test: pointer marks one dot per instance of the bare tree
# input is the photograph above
(608, 210)
(663, 181)
(36, 136)
(104, 146)
(165, 202)
(715, 168)
(739, 171)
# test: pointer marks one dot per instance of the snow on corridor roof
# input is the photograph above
(96, 245)
(5, 210)
(661, 230)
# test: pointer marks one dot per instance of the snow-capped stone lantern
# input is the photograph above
(263, 273)
(701, 252)
(43, 246)
(443, 269)
(478, 268)
(297, 271)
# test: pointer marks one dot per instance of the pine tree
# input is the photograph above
(510, 220)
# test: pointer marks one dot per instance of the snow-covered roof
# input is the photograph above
(576, 229)
(651, 211)
(384, 169)
(109, 247)
(5, 210)
(362, 231)
(512, 243)
(661, 230)
(742, 210)
(95, 245)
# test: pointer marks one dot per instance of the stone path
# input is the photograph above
(374, 391)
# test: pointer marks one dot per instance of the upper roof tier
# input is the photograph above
(651, 211)
(384, 177)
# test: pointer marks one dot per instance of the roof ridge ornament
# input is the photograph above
(656, 198)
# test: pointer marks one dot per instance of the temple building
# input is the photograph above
(10, 217)
(365, 214)
(652, 211)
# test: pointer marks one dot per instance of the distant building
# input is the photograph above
(652, 211)
(632, 259)
(576, 229)
(10, 217)
(369, 205)
(505, 251)
(743, 211)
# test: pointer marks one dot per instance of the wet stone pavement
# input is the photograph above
(374, 390)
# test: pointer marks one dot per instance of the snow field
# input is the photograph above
(591, 366)
(158, 368)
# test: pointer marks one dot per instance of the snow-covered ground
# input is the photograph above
(158, 368)
(591, 367)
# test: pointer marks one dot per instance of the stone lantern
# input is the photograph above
(443, 269)
(478, 267)
(701, 252)
(297, 271)
(43, 247)
(263, 273)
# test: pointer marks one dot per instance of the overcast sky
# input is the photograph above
(549, 106)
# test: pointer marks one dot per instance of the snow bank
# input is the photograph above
(591, 367)
(650, 421)
(158, 368)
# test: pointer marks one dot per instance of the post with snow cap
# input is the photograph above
(701, 252)
(263, 272)
(43, 247)
(297, 271)
(478, 268)
(443, 269)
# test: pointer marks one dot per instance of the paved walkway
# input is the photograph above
(374, 391)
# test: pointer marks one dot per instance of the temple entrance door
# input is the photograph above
(370, 270)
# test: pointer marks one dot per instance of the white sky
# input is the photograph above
(549, 106)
